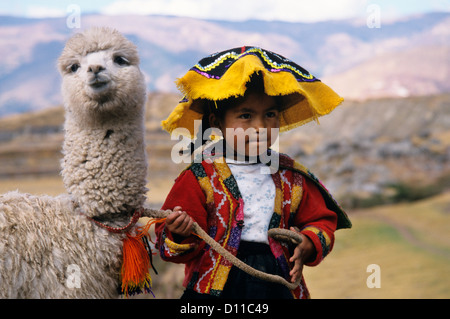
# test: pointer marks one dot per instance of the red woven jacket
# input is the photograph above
(208, 192)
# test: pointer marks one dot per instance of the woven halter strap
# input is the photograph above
(134, 219)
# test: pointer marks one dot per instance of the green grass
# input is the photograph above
(412, 265)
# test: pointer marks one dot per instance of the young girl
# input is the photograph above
(248, 94)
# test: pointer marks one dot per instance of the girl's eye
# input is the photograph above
(120, 60)
(272, 114)
(74, 67)
(245, 116)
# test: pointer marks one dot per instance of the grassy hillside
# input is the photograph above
(410, 242)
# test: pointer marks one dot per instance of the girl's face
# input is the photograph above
(251, 126)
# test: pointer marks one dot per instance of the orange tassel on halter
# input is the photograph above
(137, 256)
(136, 264)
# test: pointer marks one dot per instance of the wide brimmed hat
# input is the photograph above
(225, 74)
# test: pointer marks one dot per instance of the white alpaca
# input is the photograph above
(49, 248)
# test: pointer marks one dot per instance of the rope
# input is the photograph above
(275, 233)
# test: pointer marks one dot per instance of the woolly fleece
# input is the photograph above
(48, 248)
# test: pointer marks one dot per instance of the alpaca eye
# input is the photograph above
(120, 60)
(74, 67)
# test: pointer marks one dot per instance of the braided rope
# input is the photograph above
(276, 233)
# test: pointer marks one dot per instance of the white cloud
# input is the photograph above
(285, 10)
(234, 10)
(45, 12)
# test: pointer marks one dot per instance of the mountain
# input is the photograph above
(402, 58)
(416, 71)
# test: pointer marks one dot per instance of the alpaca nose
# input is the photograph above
(96, 68)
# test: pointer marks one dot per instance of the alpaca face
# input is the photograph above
(99, 72)
(101, 77)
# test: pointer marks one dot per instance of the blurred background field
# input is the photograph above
(384, 153)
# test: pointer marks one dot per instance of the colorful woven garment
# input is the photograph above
(210, 194)
(225, 74)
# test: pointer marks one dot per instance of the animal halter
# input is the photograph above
(137, 256)
(134, 219)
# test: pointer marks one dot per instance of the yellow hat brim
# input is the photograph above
(311, 99)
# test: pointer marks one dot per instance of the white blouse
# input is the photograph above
(258, 193)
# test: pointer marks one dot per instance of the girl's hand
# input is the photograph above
(301, 254)
(179, 222)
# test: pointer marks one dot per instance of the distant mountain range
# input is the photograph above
(403, 58)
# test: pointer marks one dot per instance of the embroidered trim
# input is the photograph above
(272, 62)
(324, 239)
(176, 248)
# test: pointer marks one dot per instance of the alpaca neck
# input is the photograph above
(104, 168)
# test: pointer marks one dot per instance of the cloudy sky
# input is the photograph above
(235, 10)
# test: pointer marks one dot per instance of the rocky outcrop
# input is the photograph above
(363, 148)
